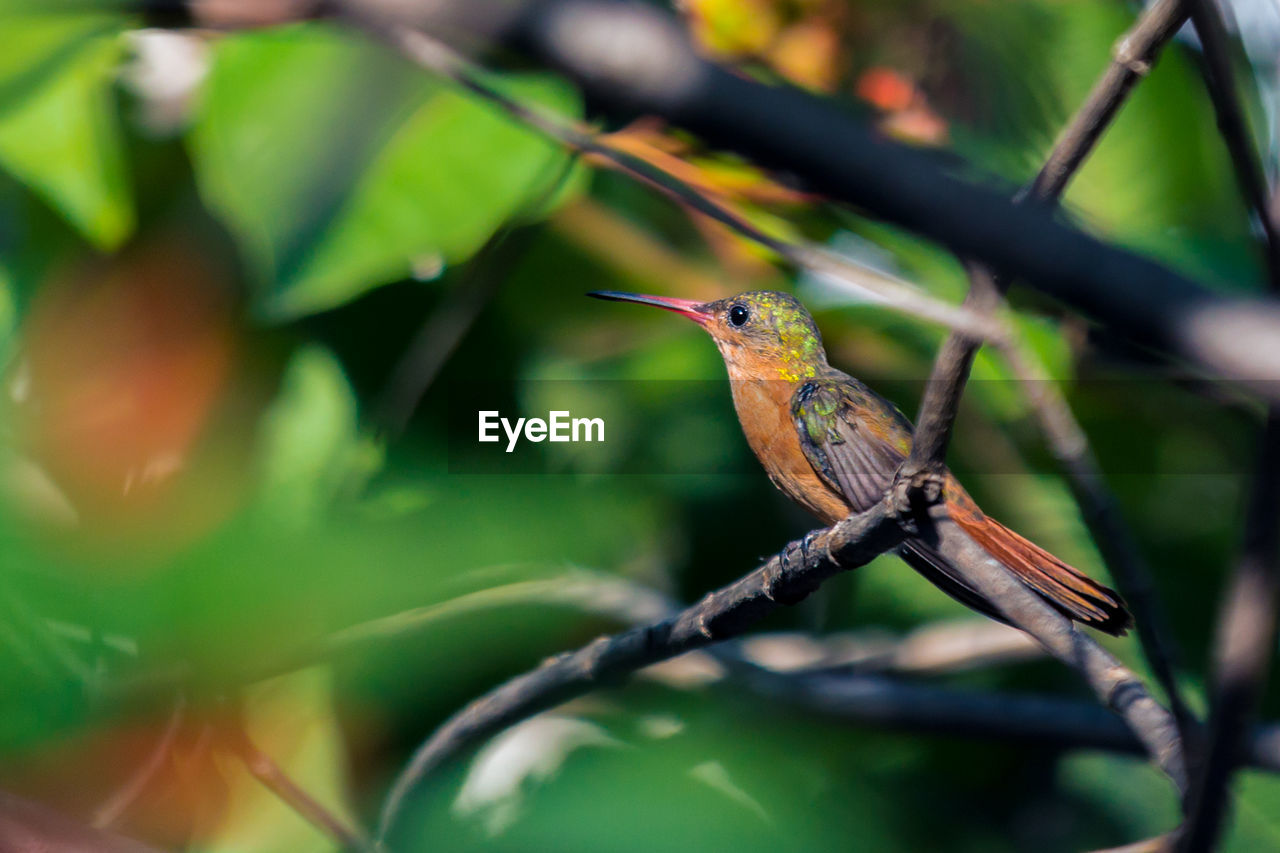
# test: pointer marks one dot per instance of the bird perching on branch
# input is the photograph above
(834, 446)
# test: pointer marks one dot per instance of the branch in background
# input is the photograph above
(785, 579)
(438, 58)
(27, 827)
(1119, 547)
(1234, 128)
(1242, 652)
(957, 645)
(1114, 684)
(263, 768)
(118, 803)
(1133, 56)
(1045, 720)
(633, 58)
(1132, 59)
(1246, 629)
(440, 334)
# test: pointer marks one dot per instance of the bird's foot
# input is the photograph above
(911, 496)
(806, 545)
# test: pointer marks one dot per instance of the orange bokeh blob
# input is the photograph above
(123, 363)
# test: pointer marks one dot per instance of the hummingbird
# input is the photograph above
(833, 446)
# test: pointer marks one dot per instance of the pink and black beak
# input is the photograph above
(695, 311)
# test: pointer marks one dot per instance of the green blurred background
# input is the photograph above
(248, 282)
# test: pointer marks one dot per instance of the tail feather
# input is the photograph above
(1065, 587)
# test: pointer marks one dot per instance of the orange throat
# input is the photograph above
(763, 402)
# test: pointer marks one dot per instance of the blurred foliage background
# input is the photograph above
(250, 284)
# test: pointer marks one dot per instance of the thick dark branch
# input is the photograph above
(786, 579)
(1247, 617)
(635, 59)
(1133, 56)
(438, 58)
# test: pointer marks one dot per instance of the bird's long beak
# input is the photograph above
(695, 311)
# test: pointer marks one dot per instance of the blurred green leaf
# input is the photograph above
(311, 446)
(342, 168)
(58, 128)
(661, 771)
(1131, 793)
(289, 120)
(450, 177)
(1257, 813)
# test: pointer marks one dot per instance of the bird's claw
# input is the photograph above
(806, 544)
(914, 493)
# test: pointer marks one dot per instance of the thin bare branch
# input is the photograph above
(442, 332)
(1069, 444)
(1242, 652)
(27, 827)
(1134, 54)
(119, 802)
(263, 768)
(1114, 684)
(1133, 57)
(1233, 127)
(439, 335)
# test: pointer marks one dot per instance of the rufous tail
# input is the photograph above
(1068, 589)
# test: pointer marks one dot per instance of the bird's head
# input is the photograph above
(763, 334)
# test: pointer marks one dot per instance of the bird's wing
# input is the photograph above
(854, 439)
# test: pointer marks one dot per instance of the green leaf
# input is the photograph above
(289, 120)
(451, 176)
(339, 166)
(59, 132)
(1257, 814)
(311, 447)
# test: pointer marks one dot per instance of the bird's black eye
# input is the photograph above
(739, 315)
